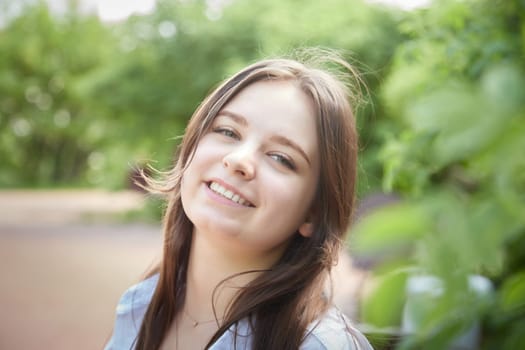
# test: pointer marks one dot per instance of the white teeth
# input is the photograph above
(215, 187)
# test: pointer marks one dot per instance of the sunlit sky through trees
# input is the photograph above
(116, 10)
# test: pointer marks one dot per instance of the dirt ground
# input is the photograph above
(62, 277)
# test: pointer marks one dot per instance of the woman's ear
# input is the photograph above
(306, 229)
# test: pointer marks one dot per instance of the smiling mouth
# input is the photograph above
(234, 197)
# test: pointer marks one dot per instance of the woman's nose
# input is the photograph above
(240, 161)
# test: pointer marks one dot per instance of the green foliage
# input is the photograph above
(83, 102)
(455, 97)
(186, 48)
(384, 305)
(390, 227)
(49, 128)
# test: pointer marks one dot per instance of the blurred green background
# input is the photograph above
(83, 102)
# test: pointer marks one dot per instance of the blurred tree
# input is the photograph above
(171, 59)
(83, 101)
(48, 125)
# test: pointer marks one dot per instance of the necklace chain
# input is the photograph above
(196, 323)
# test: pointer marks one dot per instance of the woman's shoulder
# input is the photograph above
(130, 313)
(138, 295)
(334, 330)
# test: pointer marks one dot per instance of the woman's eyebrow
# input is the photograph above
(287, 142)
(283, 140)
(236, 117)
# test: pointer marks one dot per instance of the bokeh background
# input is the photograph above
(90, 93)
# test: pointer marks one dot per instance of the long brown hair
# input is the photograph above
(282, 301)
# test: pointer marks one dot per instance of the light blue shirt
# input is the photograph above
(329, 333)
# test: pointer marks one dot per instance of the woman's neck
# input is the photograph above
(208, 267)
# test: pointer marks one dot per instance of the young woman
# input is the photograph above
(258, 204)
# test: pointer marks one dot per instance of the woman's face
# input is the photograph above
(250, 184)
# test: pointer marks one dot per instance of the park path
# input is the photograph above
(64, 264)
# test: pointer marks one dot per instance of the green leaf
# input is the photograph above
(389, 228)
(513, 292)
(383, 307)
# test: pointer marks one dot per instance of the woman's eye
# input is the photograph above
(226, 132)
(283, 160)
